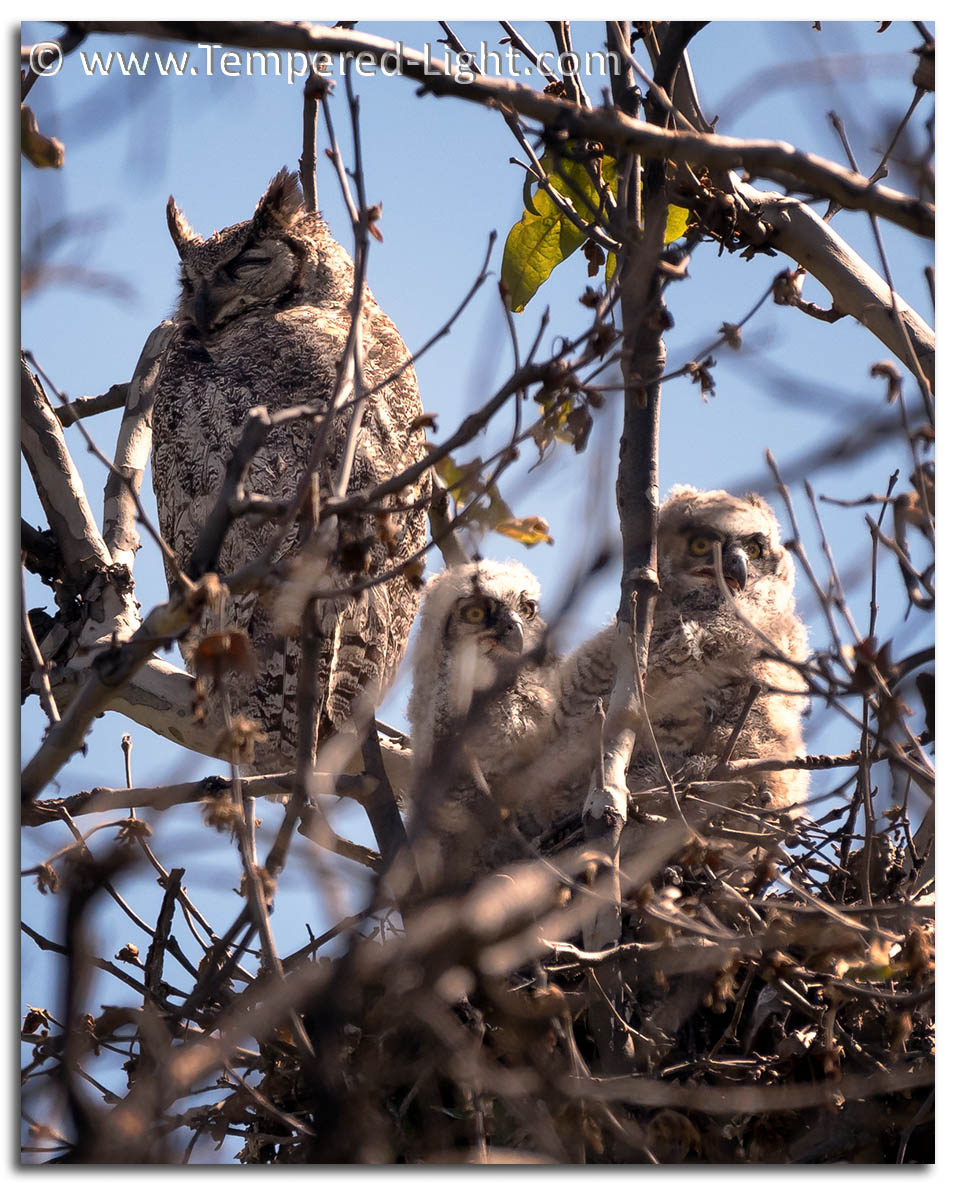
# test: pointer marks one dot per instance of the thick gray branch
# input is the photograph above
(58, 484)
(642, 364)
(107, 674)
(855, 287)
(816, 175)
(162, 698)
(132, 450)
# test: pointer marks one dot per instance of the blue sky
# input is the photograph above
(440, 169)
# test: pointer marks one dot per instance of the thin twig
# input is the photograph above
(36, 655)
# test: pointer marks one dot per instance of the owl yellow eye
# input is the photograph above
(528, 610)
(754, 550)
(473, 614)
(700, 545)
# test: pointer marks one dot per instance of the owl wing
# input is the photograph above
(555, 783)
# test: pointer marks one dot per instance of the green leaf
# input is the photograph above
(545, 237)
(532, 252)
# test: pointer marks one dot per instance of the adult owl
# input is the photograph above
(262, 320)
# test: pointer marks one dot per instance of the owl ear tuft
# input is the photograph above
(182, 233)
(281, 204)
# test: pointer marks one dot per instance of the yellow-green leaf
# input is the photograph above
(529, 531)
(558, 419)
(462, 481)
(545, 236)
(677, 219)
(532, 252)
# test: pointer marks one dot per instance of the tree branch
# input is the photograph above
(92, 405)
(108, 672)
(132, 450)
(642, 364)
(850, 189)
(58, 484)
(857, 290)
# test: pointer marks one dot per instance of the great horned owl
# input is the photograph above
(483, 696)
(481, 638)
(263, 320)
(707, 657)
(704, 657)
(536, 728)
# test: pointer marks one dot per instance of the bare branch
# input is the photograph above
(642, 365)
(380, 804)
(133, 444)
(752, 1099)
(93, 405)
(58, 484)
(157, 798)
(161, 934)
(107, 674)
(310, 110)
(857, 290)
(602, 124)
(36, 657)
(441, 517)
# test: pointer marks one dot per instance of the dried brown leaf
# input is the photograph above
(220, 653)
(45, 152)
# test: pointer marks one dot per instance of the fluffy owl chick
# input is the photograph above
(483, 694)
(704, 658)
(263, 320)
(481, 672)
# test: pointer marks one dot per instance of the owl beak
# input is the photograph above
(509, 633)
(736, 569)
(202, 309)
